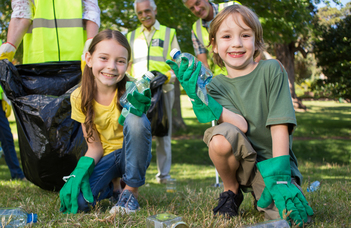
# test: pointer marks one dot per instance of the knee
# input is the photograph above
(136, 124)
(219, 145)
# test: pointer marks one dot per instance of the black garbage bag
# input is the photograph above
(157, 112)
(50, 142)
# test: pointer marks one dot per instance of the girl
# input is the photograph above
(256, 118)
(113, 151)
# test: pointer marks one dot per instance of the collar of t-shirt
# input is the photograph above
(148, 34)
(206, 24)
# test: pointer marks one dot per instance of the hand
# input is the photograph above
(85, 50)
(187, 77)
(141, 103)
(75, 183)
(276, 175)
(7, 51)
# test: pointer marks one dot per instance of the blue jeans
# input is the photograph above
(7, 144)
(130, 162)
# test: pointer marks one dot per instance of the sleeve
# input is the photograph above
(76, 113)
(215, 90)
(22, 9)
(281, 109)
(91, 11)
(198, 47)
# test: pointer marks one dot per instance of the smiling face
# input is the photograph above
(200, 8)
(146, 14)
(235, 44)
(109, 63)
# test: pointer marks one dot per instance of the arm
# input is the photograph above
(95, 149)
(92, 28)
(280, 140)
(17, 29)
(233, 118)
(203, 58)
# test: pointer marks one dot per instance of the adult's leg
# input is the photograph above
(163, 144)
(6, 139)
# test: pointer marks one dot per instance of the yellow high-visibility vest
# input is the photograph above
(202, 34)
(56, 33)
(153, 56)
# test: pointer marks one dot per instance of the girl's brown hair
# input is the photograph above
(88, 86)
(249, 18)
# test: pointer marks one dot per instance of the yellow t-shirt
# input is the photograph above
(106, 121)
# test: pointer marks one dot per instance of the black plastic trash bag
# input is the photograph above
(157, 112)
(50, 142)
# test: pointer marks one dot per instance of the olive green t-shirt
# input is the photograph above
(263, 98)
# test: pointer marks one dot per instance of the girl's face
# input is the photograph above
(235, 44)
(109, 63)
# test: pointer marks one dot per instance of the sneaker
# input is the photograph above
(127, 203)
(229, 203)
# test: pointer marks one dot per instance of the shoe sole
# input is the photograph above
(122, 210)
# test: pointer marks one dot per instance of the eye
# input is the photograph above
(103, 58)
(225, 36)
(121, 62)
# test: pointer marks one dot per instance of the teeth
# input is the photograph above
(108, 75)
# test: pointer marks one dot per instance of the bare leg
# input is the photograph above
(117, 184)
(221, 154)
(133, 190)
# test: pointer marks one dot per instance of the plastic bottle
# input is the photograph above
(16, 217)
(205, 75)
(165, 220)
(314, 186)
(142, 84)
(278, 223)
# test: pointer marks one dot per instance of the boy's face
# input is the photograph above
(235, 44)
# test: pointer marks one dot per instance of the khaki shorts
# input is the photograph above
(248, 175)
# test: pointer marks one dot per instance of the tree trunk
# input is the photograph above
(177, 119)
(285, 54)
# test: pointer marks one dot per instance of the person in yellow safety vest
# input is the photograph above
(205, 11)
(7, 146)
(51, 30)
(151, 45)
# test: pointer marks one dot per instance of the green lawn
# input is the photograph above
(321, 144)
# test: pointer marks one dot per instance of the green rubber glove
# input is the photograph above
(77, 182)
(141, 103)
(188, 79)
(276, 175)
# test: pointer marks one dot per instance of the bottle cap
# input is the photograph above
(32, 218)
(149, 75)
(174, 53)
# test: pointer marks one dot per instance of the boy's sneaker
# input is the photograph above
(229, 203)
(127, 203)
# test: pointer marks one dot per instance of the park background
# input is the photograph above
(313, 43)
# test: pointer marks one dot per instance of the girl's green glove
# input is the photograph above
(188, 79)
(276, 175)
(77, 182)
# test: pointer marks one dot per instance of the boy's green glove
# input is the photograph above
(276, 175)
(188, 79)
(75, 183)
(141, 103)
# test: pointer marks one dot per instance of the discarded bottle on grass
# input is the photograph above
(314, 186)
(204, 77)
(278, 223)
(171, 185)
(165, 220)
(16, 217)
(140, 85)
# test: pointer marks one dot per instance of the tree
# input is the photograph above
(333, 52)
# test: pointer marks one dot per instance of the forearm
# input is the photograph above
(280, 140)
(17, 29)
(92, 28)
(95, 149)
(233, 118)
(203, 58)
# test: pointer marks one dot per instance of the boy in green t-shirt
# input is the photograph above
(251, 145)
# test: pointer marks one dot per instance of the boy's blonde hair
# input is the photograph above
(249, 18)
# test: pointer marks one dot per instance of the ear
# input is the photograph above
(88, 59)
(214, 46)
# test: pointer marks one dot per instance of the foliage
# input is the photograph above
(333, 52)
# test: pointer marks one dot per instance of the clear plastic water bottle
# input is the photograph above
(142, 84)
(314, 186)
(16, 217)
(205, 75)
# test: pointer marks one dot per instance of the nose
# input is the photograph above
(237, 42)
(112, 65)
(197, 8)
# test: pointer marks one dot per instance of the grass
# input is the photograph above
(321, 144)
